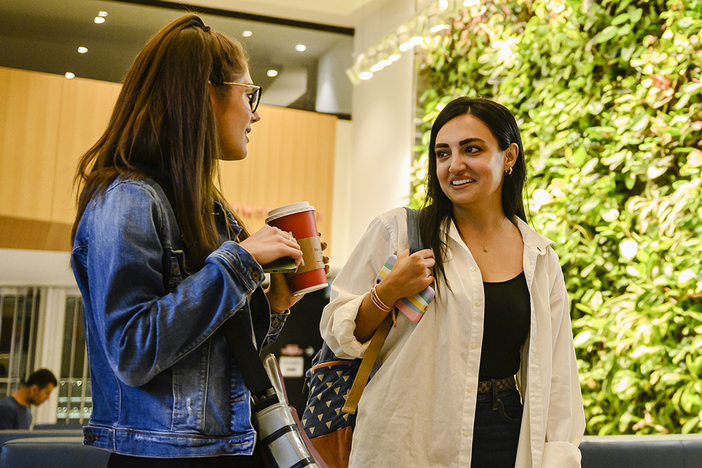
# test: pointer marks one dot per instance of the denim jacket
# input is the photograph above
(163, 381)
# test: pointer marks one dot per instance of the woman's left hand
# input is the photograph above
(280, 296)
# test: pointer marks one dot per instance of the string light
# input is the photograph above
(434, 19)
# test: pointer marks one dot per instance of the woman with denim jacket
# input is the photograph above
(162, 263)
(488, 377)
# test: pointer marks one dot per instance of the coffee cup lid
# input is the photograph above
(288, 210)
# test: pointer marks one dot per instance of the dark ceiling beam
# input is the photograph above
(240, 15)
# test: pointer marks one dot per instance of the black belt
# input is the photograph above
(507, 383)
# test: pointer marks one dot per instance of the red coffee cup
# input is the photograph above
(298, 219)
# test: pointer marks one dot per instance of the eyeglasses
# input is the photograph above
(254, 93)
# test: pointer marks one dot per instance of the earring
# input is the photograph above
(509, 172)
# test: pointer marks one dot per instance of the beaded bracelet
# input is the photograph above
(378, 302)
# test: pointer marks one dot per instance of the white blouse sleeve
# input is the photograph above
(565, 423)
(353, 282)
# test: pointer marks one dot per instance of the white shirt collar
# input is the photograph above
(532, 240)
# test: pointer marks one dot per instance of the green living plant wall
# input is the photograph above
(609, 99)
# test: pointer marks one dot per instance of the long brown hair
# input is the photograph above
(163, 119)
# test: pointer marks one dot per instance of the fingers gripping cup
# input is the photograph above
(298, 218)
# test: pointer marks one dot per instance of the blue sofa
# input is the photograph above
(53, 452)
(23, 449)
(645, 451)
(10, 434)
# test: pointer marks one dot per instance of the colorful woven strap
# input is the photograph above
(364, 370)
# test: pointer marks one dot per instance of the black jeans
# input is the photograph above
(125, 461)
(498, 417)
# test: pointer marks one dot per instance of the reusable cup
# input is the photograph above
(298, 219)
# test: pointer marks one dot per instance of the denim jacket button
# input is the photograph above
(254, 275)
(90, 437)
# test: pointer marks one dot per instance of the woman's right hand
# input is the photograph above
(410, 275)
(270, 243)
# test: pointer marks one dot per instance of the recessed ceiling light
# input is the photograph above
(69, 75)
(301, 47)
(102, 13)
(247, 33)
(82, 50)
(272, 73)
(99, 19)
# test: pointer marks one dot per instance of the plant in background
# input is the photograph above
(608, 95)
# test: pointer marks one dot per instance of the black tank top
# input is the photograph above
(507, 317)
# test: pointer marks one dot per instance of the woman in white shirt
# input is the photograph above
(444, 394)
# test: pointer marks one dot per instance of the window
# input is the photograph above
(18, 335)
(75, 397)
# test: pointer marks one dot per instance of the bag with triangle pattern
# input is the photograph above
(335, 385)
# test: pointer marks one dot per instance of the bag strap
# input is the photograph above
(364, 370)
(249, 362)
(414, 237)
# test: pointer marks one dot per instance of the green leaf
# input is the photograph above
(608, 33)
(636, 15)
(620, 19)
(579, 157)
(624, 30)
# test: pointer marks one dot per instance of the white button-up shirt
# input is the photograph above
(418, 410)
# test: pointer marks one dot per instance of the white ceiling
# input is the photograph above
(334, 12)
(43, 35)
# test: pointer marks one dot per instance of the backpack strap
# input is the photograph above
(381, 333)
(414, 237)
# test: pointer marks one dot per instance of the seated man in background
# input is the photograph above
(14, 409)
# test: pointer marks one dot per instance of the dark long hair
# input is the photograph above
(163, 120)
(438, 209)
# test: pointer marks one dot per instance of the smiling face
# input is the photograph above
(469, 163)
(234, 118)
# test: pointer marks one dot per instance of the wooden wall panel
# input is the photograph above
(29, 118)
(86, 107)
(290, 159)
(31, 234)
(48, 122)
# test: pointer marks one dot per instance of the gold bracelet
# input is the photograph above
(378, 302)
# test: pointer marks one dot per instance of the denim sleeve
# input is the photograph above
(144, 328)
(277, 322)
